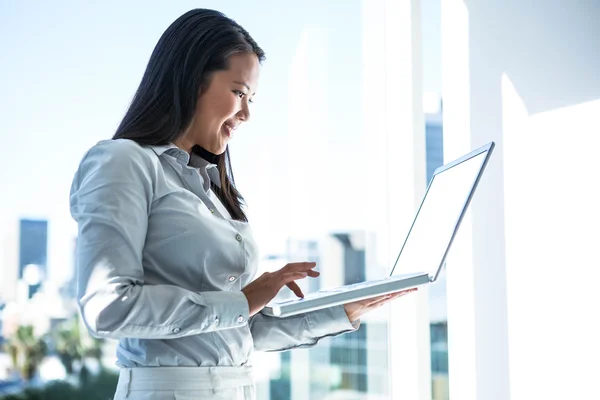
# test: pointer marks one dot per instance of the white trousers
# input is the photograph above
(185, 383)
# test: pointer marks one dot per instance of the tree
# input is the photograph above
(26, 351)
(74, 344)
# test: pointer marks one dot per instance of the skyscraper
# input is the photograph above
(24, 257)
(434, 143)
(349, 352)
(33, 253)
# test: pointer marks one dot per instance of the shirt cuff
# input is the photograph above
(230, 309)
(330, 321)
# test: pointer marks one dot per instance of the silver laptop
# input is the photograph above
(426, 246)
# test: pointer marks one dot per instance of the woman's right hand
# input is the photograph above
(262, 290)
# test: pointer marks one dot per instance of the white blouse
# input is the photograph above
(161, 264)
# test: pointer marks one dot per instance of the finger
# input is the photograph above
(299, 266)
(379, 303)
(295, 288)
(398, 294)
(404, 292)
(378, 300)
(409, 291)
(389, 297)
(313, 274)
(372, 300)
(292, 276)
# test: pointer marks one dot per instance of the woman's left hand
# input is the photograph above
(358, 308)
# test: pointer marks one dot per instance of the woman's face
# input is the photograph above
(224, 105)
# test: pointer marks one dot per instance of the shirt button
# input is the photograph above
(238, 237)
(212, 211)
(231, 278)
(217, 321)
(176, 330)
(240, 319)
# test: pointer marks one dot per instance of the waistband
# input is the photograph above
(184, 378)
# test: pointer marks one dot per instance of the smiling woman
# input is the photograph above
(196, 90)
(166, 260)
(223, 105)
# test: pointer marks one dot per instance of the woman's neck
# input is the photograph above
(189, 147)
(207, 155)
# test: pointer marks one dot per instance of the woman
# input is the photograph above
(166, 258)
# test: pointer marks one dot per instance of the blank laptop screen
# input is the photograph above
(438, 216)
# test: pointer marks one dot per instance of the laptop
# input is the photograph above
(426, 247)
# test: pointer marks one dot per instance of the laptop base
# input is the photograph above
(345, 294)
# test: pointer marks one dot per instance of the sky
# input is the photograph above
(69, 70)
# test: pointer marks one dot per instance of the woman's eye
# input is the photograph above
(239, 93)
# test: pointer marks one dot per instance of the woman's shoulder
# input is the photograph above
(115, 164)
(120, 151)
(118, 155)
(120, 147)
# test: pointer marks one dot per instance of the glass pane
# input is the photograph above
(434, 139)
(303, 165)
(306, 192)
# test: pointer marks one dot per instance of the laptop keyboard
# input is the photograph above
(342, 289)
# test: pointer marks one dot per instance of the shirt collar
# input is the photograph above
(203, 165)
(194, 161)
(159, 150)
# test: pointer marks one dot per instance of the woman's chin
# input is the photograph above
(220, 150)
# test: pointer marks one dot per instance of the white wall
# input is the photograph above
(521, 283)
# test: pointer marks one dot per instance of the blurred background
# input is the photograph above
(358, 102)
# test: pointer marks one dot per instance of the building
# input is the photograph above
(33, 253)
(434, 142)
(24, 257)
(352, 363)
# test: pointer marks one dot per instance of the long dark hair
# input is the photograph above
(196, 45)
